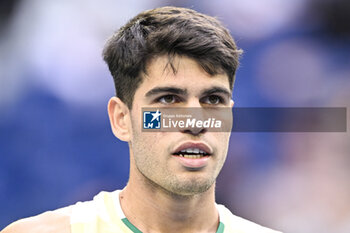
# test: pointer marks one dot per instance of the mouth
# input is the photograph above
(193, 150)
(193, 155)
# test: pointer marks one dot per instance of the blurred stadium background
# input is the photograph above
(56, 146)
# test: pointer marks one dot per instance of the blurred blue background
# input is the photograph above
(56, 146)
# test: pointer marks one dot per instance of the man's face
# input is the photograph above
(153, 152)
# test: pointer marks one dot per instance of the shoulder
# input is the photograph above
(234, 223)
(50, 221)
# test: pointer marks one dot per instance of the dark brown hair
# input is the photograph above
(168, 31)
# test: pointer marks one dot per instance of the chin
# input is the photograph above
(191, 187)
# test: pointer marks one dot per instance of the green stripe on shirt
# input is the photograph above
(131, 227)
(135, 230)
(220, 228)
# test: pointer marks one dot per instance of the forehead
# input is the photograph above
(182, 71)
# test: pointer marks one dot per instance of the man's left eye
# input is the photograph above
(212, 99)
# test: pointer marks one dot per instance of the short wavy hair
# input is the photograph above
(169, 31)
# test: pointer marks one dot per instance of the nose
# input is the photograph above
(195, 109)
(196, 131)
(193, 103)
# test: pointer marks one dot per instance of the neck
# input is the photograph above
(153, 209)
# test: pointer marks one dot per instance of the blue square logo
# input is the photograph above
(151, 119)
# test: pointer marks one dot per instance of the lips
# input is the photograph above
(193, 155)
(193, 150)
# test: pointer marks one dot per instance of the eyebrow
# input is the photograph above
(179, 91)
(173, 90)
(217, 89)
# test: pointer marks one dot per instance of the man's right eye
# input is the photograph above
(168, 99)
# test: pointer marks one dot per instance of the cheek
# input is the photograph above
(222, 141)
(149, 156)
(143, 142)
(147, 145)
(135, 126)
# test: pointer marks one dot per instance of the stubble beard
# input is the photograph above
(157, 176)
(175, 186)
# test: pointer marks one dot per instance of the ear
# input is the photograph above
(119, 117)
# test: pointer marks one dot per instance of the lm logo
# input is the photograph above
(151, 120)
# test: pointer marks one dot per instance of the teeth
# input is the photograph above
(191, 156)
(189, 150)
(193, 150)
(192, 153)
